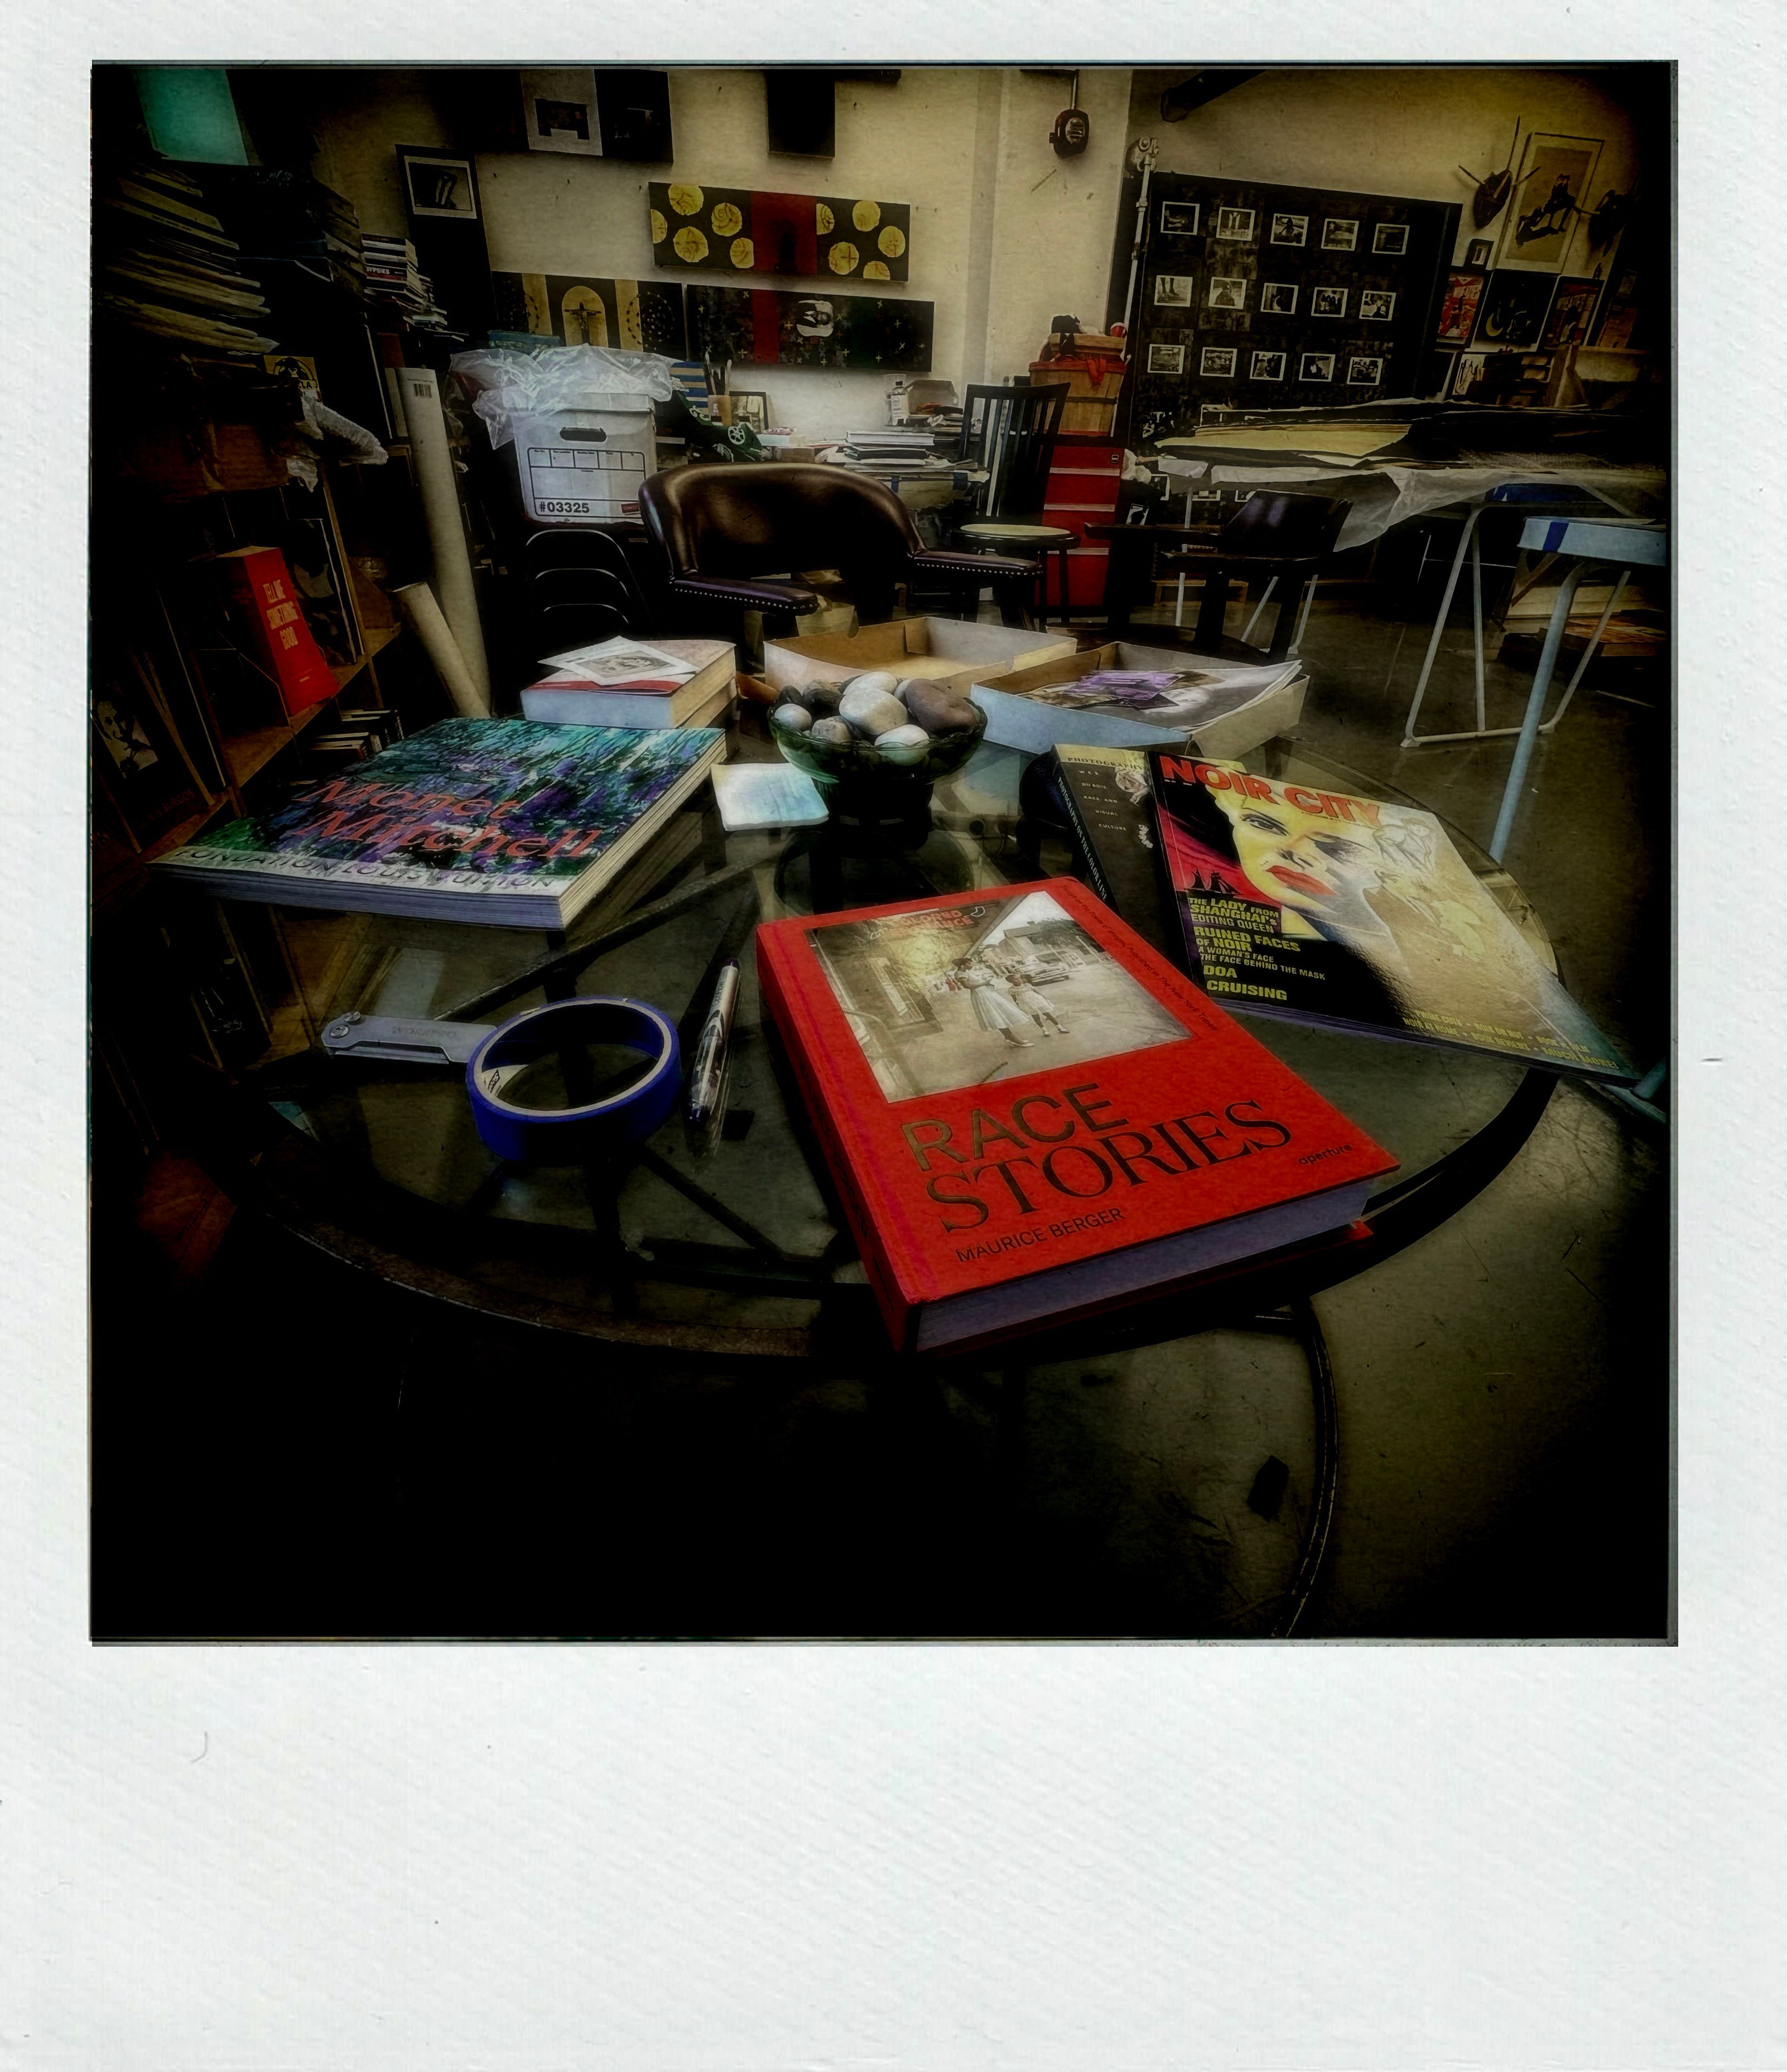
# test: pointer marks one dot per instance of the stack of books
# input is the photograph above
(892, 450)
(286, 218)
(167, 266)
(393, 281)
(623, 682)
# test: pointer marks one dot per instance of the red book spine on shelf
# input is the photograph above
(1031, 1115)
(286, 648)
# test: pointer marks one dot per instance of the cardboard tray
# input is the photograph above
(1017, 719)
(952, 651)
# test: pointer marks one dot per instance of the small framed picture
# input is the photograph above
(1216, 363)
(1465, 289)
(1339, 234)
(1267, 366)
(1277, 298)
(1572, 311)
(1316, 367)
(1172, 291)
(749, 406)
(1234, 226)
(1328, 302)
(1227, 292)
(1364, 370)
(1477, 251)
(1467, 376)
(1179, 219)
(1166, 359)
(1376, 305)
(1290, 230)
(1390, 238)
(435, 183)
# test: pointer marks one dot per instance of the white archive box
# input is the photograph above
(585, 464)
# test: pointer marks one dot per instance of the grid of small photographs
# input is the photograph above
(1172, 291)
(1316, 367)
(1339, 234)
(1376, 305)
(1277, 298)
(1365, 370)
(1391, 239)
(1166, 359)
(1233, 226)
(1267, 366)
(1216, 363)
(1179, 219)
(1226, 291)
(1290, 230)
(1328, 302)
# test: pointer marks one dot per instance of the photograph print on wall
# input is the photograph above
(1328, 302)
(1234, 226)
(1166, 359)
(1290, 229)
(1365, 370)
(1477, 251)
(436, 184)
(1316, 367)
(1458, 312)
(1172, 291)
(1179, 219)
(1339, 234)
(1391, 239)
(1227, 292)
(1514, 308)
(1267, 366)
(1277, 298)
(1216, 363)
(1376, 306)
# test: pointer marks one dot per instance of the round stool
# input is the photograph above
(1042, 540)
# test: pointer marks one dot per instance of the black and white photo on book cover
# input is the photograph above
(964, 995)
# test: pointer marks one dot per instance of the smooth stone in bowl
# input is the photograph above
(938, 709)
(883, 680)
(871, 712)
(821, 699)
(791, 718)
(902, 744)
(834, 733)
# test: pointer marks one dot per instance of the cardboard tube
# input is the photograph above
(417, 603)
(446, 532)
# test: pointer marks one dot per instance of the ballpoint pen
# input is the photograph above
(704, 1106)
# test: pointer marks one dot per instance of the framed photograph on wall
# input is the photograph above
(1166, 359)
(1277, 298)
(1290, 230)
(1339, 234)
(1515, 306)
(1479, 252)
(1179, 219)
(1172, 291)
(1549, 197)
(1234, 226)
(558, 111)
(1216, 363)
(1328, 302)
(1464, 286)
(1376, 305)
(1227, 291)
(1267, 366)
(1365, 370)
(749, 406)
(1391, 239)
(1316, 367)
(437, 183)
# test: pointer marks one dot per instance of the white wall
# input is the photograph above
(1400, 131)
(1004, 234)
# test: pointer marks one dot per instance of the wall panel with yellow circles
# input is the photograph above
(743, 230)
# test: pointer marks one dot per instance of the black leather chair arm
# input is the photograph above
(741, 590)
(939, 561)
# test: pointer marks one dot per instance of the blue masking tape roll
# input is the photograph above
(564, 1137)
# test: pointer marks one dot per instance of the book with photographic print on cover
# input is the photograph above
(1106, 790)
(1031, 1117)
(499, 820)
(1327, 907)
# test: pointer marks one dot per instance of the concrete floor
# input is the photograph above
(1502, 1386)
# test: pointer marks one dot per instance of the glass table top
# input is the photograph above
(683, 1248)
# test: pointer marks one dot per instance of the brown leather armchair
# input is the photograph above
(726, 529)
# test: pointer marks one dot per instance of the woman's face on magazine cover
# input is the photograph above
(1317, 867)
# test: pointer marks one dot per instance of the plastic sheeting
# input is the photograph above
(507, 385)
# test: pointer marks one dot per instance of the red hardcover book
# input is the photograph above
(286, 647)
(1031, 1115)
